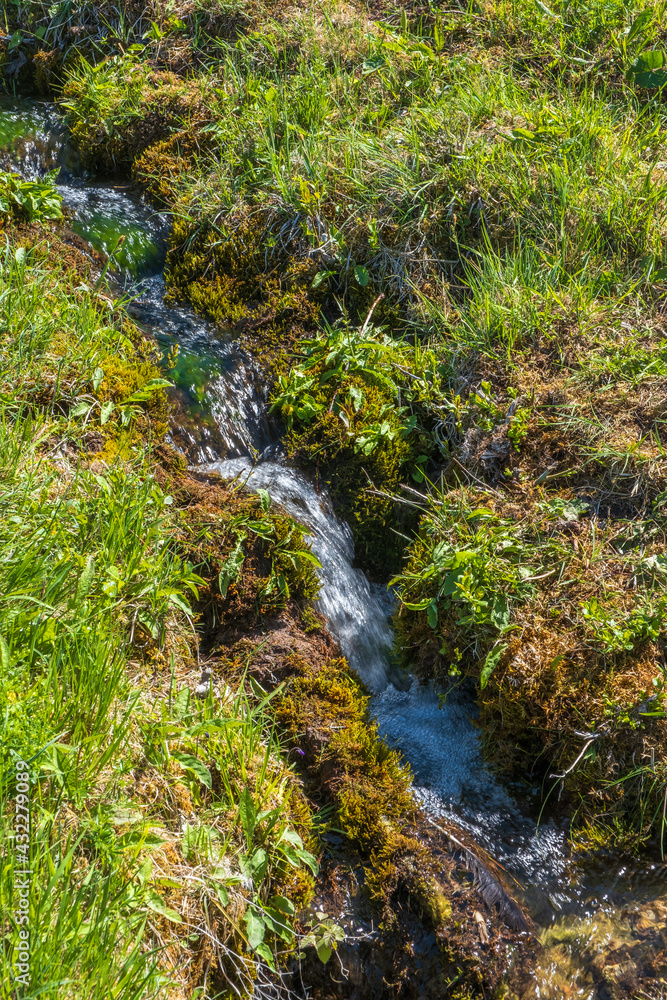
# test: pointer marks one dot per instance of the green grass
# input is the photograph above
(137, 851)
(499, 175)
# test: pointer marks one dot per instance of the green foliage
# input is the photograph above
(101, 101)
(366, 406)
(68, 355)
(469, 571)
(338, 368)
(324, 937)
(470, 564)
(30, 200)
(648, 70)
(90, 928)
(292, 566)
(93, 587)
(615, 633)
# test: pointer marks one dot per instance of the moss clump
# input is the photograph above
(48, 66)
(311, 622)
(118, 108)
(324, 713)
(562, 630)
(222, 273)
(253, 558)
(161, 166)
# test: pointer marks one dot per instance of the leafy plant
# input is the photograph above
(468, 563)
(616, 632)
(649, 69)
(324, 937)
(31, 200)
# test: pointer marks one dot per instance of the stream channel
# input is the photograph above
(586, 916)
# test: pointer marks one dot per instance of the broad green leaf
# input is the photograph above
(155, 902)
(649, 70)
(324, 951)
(500, 612)
(106, 411)
(258, 864)
(257, 688)
(144, 872)
(194, 765)
(308, 859)
(157, 383)
(255, 928)
(80, 408)
(283, 904)
(490, 663)
(182, 702)
(362, 275)
(373, 63)
(650, 59)
(356, 397)
(292, 837)
(140, 838)
(320, 277)
(265, 952)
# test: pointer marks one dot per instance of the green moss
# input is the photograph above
(222, 272)
(163, 164)
(324, 712)
(121, 106)
(48, 65)
(253, 558)
(310, 622)
(288, 551)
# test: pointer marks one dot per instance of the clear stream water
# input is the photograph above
(585, 917)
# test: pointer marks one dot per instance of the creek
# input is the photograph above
(586, 916)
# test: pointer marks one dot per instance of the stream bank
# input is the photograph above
(420, 894)
(407, 713)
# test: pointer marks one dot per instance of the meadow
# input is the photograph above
(440, 232)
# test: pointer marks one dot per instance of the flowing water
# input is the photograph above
(587, 918)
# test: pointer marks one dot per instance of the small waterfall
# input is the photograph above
(219, 402)
(438, 739)
(356, 611)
